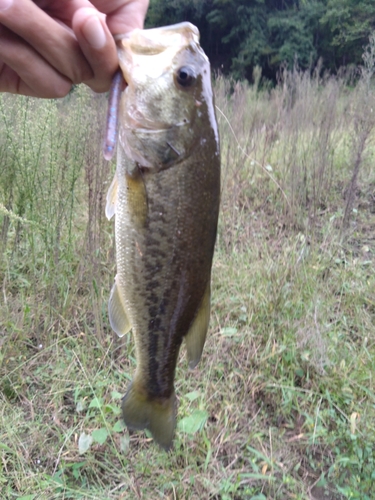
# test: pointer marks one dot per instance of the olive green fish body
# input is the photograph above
(166, 199)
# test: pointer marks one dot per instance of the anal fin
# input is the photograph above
(196, 336)
(116, 310)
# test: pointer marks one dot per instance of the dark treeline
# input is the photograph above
(237, 35)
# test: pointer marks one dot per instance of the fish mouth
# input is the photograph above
(157, 40)
(154, 49)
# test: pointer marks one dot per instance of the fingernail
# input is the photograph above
(93, 32)
(5, 4)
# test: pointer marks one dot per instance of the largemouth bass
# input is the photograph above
(165, 197)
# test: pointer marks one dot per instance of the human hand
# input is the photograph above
(47, 45)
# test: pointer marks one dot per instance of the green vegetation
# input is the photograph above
(238, 35)
(282, 404)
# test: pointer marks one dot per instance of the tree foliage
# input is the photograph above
(349, 23)
(238, 35)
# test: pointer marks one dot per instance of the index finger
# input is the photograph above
(98, 46)
(55, 42)
(123, 15)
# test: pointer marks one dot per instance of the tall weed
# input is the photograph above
(45, 151)
(294, 145)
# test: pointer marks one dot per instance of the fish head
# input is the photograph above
(168, 100)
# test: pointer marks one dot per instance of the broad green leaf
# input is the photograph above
(116, 395)
(194, 422)
(80, 406)
(228, 331)
(119, 426)
(124, 443)
(78, 465)
(192, 396)
(84, 442)
(100, 435)
(116, 410)
(95, 403)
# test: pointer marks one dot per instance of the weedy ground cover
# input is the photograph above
(282, 404)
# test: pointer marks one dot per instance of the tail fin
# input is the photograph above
(156, 415)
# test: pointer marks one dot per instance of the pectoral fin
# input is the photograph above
(112, 194)
(117, 314)
(196, 335)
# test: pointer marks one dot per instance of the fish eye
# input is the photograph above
(185, 76)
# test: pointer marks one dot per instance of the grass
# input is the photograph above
(282, 404)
